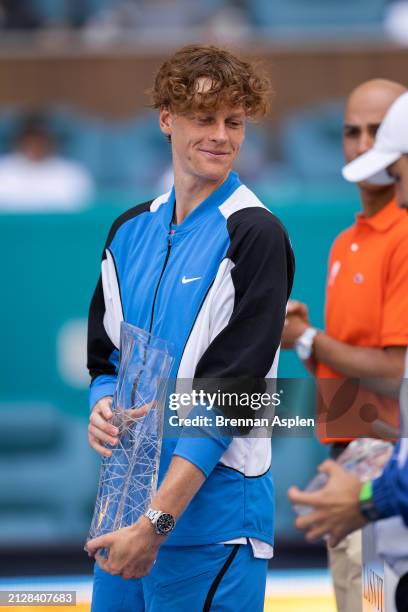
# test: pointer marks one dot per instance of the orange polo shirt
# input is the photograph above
(366, 305)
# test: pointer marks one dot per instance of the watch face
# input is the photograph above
(165, 523)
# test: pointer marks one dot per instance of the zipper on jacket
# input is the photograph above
(137, 379)
(159, 281)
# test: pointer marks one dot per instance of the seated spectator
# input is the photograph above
(34, 178)
(396, 21)
(37, 14)
(17, 15)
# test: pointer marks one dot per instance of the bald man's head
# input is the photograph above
(365, 110)
(378, 93)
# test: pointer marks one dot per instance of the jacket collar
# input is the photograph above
(200, 212)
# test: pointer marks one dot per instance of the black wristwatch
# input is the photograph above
(367, 506)
(163, 522)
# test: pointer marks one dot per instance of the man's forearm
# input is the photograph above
(357, 361)
(181, 483)
(310, 365)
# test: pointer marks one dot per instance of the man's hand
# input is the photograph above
(294, 307)
(336, 510)
(132, 550)
(293, 328)
(296, 321)
(100, 430)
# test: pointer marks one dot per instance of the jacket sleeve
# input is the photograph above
(248, 315)
(102, 353)
(106, 314)
(390, 490)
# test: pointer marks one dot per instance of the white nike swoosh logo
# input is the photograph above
(185, 280)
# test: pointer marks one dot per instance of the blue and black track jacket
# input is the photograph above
(225, 323)
(390, 490)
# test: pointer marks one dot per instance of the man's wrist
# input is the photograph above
(366, 502)
(146, 525)
(163, 522)
(304, 343)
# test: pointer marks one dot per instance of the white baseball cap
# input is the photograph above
(391, 142)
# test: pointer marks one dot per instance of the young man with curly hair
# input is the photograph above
(208, 268)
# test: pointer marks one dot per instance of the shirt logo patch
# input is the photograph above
(334, 272)
(359, 278)
(186, 280)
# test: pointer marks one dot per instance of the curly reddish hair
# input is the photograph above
(228, 81)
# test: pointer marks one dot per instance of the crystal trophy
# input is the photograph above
(128, 478)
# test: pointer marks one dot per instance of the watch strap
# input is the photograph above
(366, 492)
(367, 506)
(304, 344)
(152, 515)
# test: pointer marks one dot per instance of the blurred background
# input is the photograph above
(78, 145)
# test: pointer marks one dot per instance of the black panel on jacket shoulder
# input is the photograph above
(243, 352)
(255, 231)
(262, 279)
(126, 216)
(100, 346)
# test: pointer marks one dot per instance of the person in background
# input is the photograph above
(34, 15)
(17, 15)
(34, 178)
(344, 504)
(366, 310)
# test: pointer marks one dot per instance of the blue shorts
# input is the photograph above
(216, 577)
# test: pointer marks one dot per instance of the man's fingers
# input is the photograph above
(102, 424)
(329, 467)
(101, 436)
(105, 565)
(99, 420)
(104, 407)
(99, 448)
(295, 495)
(106, 411)
(316, 533)
(103, 541)
(305, 498)
(309, 520)
(137, 413)
(292, 306)
(296, 307)
(313, 523)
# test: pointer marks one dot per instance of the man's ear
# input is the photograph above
(165, 121)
